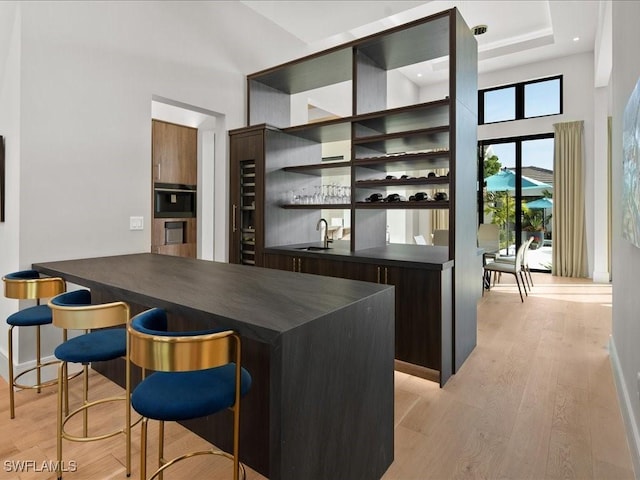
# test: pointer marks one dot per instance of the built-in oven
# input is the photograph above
(174, 200)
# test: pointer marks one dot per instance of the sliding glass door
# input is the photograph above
(517, 194)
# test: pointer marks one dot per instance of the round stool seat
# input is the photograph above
(96, 346)
(31, 316)
(174, 396)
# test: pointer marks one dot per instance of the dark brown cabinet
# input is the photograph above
(422, 311)
(246, 191)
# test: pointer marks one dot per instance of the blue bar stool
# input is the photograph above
(28, 285)
(197, 373)
(100, 342)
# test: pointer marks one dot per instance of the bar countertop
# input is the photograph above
(427, 257)
(259, 303)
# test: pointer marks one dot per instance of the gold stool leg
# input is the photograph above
(12, 408)
(127, 415)
(161, 447)
(143, 449)
(38, 359)
(62, 368)
(85, 400)
(236, 441)
(66, 378)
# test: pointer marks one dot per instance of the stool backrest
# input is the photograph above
(74, 311)
(154, 348)
(28, 285)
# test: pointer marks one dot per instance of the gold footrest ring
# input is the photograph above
(74, 438)
(194, 454)
(48, 383)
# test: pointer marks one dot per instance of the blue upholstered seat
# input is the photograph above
(23, 275)
(96, 346)
(174, 396)
(30, 316)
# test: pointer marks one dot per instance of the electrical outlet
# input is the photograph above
(136, 223)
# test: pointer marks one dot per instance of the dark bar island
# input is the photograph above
(320, 351)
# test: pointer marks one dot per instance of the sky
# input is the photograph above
(535, 153)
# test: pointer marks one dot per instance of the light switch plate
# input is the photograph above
(136, 223)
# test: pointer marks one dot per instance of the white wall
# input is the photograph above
(625, 353)
(10, 129)
(75, 105)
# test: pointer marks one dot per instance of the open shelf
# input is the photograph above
(434, 182)
(402, 119)
(316, 206)
(406, 142)
(426, 204)
(322, 169)
(327, 131)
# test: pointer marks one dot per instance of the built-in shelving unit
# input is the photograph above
(393, 144)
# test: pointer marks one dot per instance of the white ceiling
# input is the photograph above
(519, 32)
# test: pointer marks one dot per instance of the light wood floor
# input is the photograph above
(535, 400)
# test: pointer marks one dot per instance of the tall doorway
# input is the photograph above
(517, 178)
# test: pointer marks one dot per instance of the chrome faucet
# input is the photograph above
(325, 242)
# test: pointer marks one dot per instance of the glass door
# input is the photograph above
(536, 178)
(517, 195)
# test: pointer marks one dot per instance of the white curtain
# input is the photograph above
(569, 235)
(440, 218)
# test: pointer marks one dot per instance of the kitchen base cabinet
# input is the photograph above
(423, 332)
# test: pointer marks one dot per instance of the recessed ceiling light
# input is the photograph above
(576, 39)
(479, 29)
(419, 75)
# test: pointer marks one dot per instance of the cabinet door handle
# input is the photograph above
(299, 265)
(293, 269)
(378, 281)
(158, 178)
(386, 276)
(235, 208)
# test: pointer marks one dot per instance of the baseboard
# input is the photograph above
(48, 373)
(631, 426)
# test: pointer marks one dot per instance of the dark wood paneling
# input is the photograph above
(422, 304)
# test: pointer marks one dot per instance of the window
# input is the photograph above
(518, 101)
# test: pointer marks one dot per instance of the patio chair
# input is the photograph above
(514, 269)
(525, 262)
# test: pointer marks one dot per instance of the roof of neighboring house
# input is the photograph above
(540, 174)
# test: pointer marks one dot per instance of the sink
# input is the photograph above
(313, 249)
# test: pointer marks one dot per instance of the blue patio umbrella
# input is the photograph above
(542, 203)
(505, 180)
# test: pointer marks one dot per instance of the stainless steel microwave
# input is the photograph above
(173, 200)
